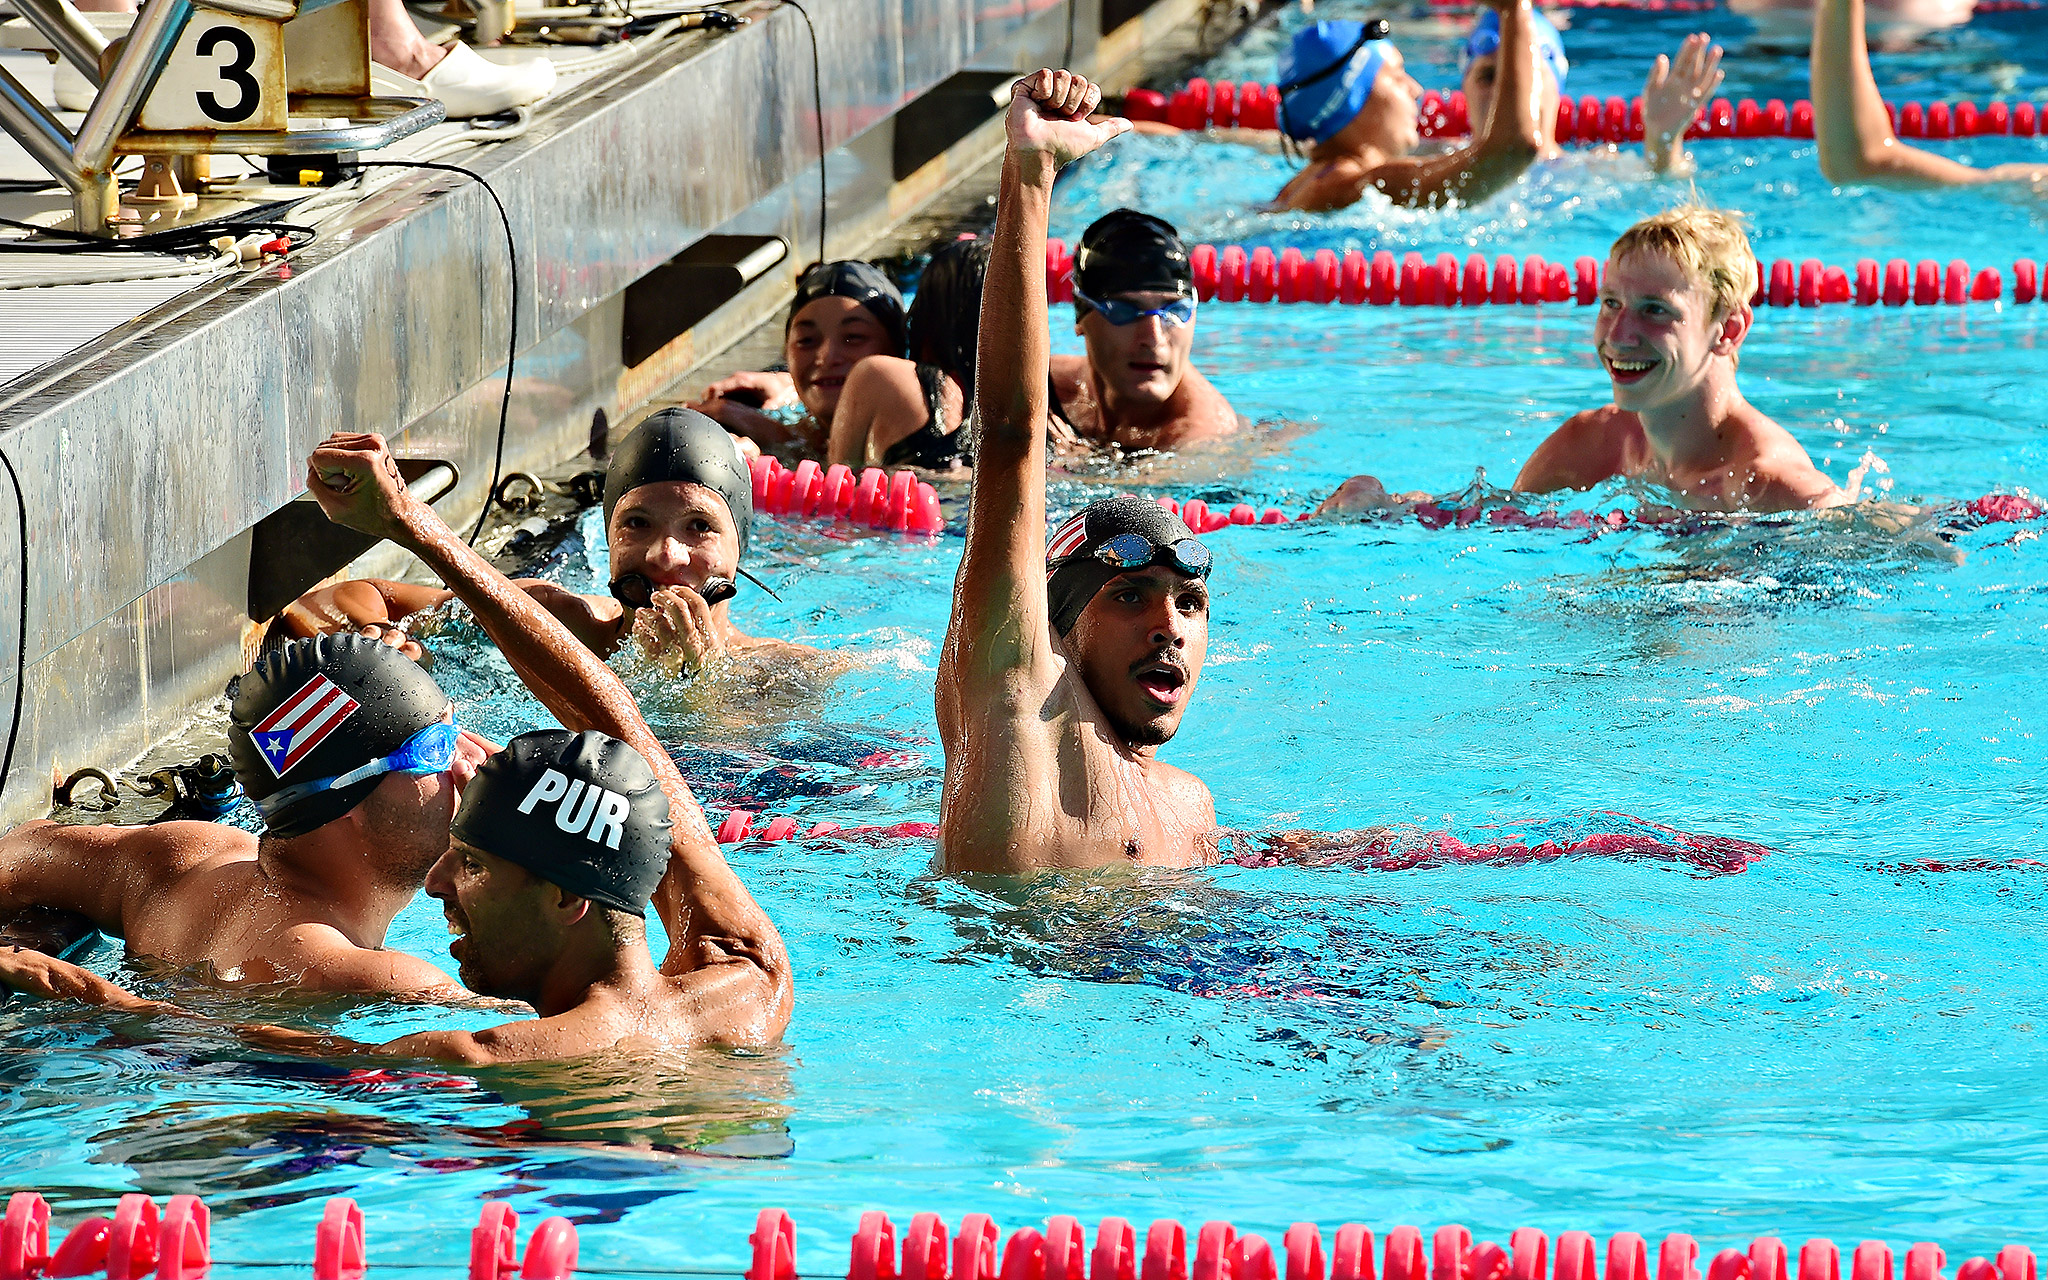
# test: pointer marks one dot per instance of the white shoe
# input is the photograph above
(469, 85)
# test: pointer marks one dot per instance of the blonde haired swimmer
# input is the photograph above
(1674, 311)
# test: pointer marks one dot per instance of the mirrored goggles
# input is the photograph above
(1135, 551)
(431, 750)
(1179, 312)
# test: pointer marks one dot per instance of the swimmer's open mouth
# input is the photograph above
(1146, 366)
(1628, 370)
(1162, 682)
(457, 927)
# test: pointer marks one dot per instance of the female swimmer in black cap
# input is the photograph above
(678, 506)
(843, 313)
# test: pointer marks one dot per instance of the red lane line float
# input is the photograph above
(899, 503)
(1589, 121)
(1231, 273)
(176, 1244)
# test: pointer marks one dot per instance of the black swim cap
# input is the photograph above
(1074, 575)
(945, 316)
(861, 281)
(1131, 252)
(317, 708)
(580, 810)
(683, 444)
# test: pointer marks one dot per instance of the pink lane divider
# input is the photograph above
(494, 1254)
(738, 826)
(1059, 1252)
(900, 503)
(1586, 121)
(1230, 273)
(137, 1241)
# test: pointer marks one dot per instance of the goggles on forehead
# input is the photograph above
(431, 750)
(1181, 311)
(1135, 551)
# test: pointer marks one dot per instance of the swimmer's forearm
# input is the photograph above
(27, 970)
(1016, 354)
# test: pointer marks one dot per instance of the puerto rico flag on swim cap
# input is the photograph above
(289, 734)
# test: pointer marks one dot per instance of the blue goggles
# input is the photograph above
(1135, 551)
(1181, 311)
(431, 750)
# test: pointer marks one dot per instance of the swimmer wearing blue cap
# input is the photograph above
(546, 867)
(1346, 94)
(1065, 666)
(678, 508)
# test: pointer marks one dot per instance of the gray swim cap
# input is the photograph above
(317, 708)
(683, 445)
(580, 810)
(1074, 573)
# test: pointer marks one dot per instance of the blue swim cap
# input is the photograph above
(1485, 39)
(1325, 77)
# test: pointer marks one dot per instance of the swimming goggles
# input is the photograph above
(1135, 551)
(636, 590)
(1181, 311)
(431, 750)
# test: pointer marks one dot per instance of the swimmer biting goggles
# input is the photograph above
(1135, 551)
(431, 750)
(1181, 311)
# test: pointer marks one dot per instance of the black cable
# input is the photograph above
(21, 637)
(192, 237)
(512, 319)
(818, 101)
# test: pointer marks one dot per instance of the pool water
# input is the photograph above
(1845, 1039)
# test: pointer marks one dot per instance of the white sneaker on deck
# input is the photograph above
(468, 84)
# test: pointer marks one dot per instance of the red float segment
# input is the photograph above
(2016, 1261)
(1780, 292)
(774, 1247)
(1819, 1260)
(1896, 287)
(1535, 273)
(1834, 285)
(1351, 1253)
(340, 1248)
(1233, 274)
(1729, 1264)
(1024, 1256)
(1116, 1252)
(1166, 1251)
(1675, 1258)
(1924, 1261)
(1213, 1249)
(974, 1249)
(1988, 286)
(1802, 119)
(183, 1247)
(1926, 282)
(1252, 1259)
(1448, 1248)
(24, 1237)
(1304, 1246)
(1766, 1258)
(1809, 283)
(1586, 282)
(1872, 1261)
(1504, 291)
(1866, 282)
(1575, 1258)
(551, 1253)
(1385, 280)
(925, 1246)
(1955, 289)
(494, 1242)
(1264, 273)
(1627, 1257)
(1404, 1260)
(1531, 1251)
(1223, 104)
(2023, 281)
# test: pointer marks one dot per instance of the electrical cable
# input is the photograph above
(21, 623)
(818, 101)
(512, 316)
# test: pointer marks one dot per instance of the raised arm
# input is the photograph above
(709, 915)
(1510, 142)
(1672, 95)
(998, 641)
(1857, 144)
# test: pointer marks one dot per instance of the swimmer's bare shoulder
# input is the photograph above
(1591, 446)
(1783, 475)
(107, 874)
(1327, 185)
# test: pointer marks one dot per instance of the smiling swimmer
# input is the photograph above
(843, 313)
(678, 507)
(1066, 665)
(1134, 306)
(1674, 311)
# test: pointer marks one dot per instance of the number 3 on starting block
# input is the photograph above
(227, 72)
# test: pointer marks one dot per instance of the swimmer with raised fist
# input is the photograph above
(1066, 666)
(679, 515)
(1674, 311)
(559, 844)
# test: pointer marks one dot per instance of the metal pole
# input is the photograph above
(78, 40)
(38, 132)
(134, 74)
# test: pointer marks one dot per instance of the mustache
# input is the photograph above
(1163, 658)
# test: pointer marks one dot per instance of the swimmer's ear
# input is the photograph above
(1734, 328)
(572, 907)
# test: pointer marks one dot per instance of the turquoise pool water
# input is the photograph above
(1845, 1039)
